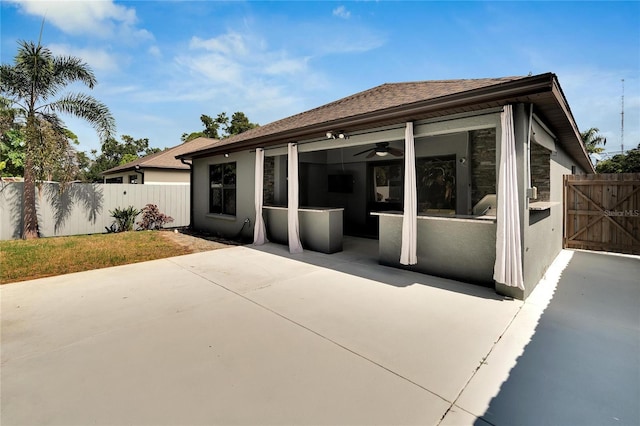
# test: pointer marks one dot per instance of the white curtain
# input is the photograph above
(294, 227)
(408, 252)
(508, 266)
(259, 232)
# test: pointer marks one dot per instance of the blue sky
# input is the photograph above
(161, 64)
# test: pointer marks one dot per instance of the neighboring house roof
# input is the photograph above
(393, 103)
(165, 159)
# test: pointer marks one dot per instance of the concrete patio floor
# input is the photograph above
(258, 336)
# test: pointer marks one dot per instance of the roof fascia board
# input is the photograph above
(142, 168)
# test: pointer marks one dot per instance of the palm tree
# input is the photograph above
(591, 139)
(32, 83)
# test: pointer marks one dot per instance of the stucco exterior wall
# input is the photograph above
(543, 229)
(225, 225)
(165, 177)
(154, 177)
(462, 249)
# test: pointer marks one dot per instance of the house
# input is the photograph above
(161, 168)
(454, 178)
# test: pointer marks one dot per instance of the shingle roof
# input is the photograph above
(379, 98)
(394, 103)
(166, 159)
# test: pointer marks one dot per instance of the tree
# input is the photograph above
(592, 139)
(221, 127)
(621, 163)
(31, 83)
(239, 123)
(11, 141)
(116, 153)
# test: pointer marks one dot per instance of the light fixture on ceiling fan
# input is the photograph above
(381, 149)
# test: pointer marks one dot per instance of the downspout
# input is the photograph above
(140, 172)
(182, 160)
(530, 192)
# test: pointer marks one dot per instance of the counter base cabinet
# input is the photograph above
(463, 250)
(320, 229)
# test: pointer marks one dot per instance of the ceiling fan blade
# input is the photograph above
(366, 150)
(371, 154)
(395, 152)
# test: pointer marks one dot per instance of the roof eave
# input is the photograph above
(523, 90)
(142, 168)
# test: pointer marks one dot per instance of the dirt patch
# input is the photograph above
(197, 242)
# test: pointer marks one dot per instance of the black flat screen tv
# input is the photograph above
(341, 183)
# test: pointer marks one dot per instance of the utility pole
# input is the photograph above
(622, 120)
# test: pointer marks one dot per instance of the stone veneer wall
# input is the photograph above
(540, 171)
(483, 163)
(269, 180)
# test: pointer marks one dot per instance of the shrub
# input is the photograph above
(124, 219)
(152, 218)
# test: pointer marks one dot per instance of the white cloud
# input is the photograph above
(287, 66)
(215, 68)
(155, 51)
(342, 38)
(237, 58)
(229, 44)
(102, 18)
(237, 71)
(98, 60)
(341, 12)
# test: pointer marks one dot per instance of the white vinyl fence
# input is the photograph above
(83, 208)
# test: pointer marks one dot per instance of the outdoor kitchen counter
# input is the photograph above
(320, 227)
(461, 247)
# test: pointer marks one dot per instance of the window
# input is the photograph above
(133, 178)
(114, 180)
(436, 181)
(387, 182)
(222, 188)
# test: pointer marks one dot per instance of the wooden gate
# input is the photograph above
(602, 212)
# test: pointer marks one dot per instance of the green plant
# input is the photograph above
(152, 218)
(124, 219)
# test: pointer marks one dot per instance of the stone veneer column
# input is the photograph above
(483, 163)
(541, 171)
(269, 180)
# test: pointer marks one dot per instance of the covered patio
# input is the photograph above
(460, 179)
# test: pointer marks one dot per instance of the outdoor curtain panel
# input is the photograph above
(259, 232)
(292, 209)
(508, 266)
(408, 252)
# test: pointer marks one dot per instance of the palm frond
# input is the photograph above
(13, 84)
(71, 69)
(88, 108)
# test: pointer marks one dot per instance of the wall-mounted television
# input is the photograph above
(342, 183)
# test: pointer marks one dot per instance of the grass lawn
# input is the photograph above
(22, 260)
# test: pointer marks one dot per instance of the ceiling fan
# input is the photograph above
(381, 149)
